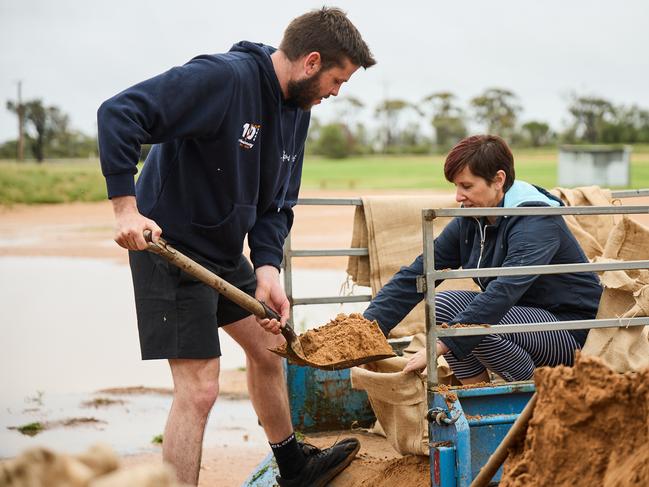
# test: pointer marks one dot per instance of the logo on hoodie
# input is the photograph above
(249, 135)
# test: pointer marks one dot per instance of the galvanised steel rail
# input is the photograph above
(429, 214)
(543, 326)
(433, 331)
(623, 193)
(541, 269)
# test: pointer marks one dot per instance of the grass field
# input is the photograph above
(81, 180)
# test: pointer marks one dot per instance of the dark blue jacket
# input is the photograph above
(227, 158)
(510, 241)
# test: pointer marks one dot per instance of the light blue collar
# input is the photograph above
(522, 192)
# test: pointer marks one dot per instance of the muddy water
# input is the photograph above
(67, 329)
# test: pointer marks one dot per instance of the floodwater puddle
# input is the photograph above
(69, 329)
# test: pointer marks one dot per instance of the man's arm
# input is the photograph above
(186, 101)
(266, 242)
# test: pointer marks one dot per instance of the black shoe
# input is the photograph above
(323, 465)
(308, 449)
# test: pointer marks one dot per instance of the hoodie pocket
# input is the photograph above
(228, 234)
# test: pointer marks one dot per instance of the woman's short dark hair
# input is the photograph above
(485, 155)
(329, 32)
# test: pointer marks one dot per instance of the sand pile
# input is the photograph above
(343, 339)
(590, 427)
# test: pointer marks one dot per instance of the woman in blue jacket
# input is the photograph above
(482, 169)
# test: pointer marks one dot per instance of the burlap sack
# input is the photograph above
(591, 231)
(390, 227)
(399, 399)
(626, 295)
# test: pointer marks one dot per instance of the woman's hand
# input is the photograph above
(418, 360)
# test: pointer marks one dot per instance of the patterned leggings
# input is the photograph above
(512, 356)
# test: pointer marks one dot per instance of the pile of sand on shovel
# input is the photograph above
(590, 428)
(343, 339)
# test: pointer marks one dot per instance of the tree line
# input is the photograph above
(397, 126)
(47, 133)
(592, 120)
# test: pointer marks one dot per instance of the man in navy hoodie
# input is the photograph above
(228, 134)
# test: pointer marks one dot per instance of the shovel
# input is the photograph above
(256, 307)
(294, 351)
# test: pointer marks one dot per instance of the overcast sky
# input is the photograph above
(76, 53)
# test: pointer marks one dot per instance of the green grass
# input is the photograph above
(538, 166)
(51, 182)
(157, 440)
(71, 180)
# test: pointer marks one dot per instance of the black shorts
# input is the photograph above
(177, 315)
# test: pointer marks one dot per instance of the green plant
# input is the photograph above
(31, 429)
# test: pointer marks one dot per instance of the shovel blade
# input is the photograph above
(344, 364)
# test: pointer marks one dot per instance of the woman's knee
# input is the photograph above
(448, 304)
(505, 358)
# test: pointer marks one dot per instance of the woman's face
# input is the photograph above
(475, 191)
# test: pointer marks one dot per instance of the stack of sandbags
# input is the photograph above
(591, 231)
(626, 295)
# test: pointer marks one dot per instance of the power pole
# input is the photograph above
(21, 116)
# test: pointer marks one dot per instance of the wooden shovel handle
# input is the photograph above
(162, 248)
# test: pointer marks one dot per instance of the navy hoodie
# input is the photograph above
(510, 241)
(227, 158)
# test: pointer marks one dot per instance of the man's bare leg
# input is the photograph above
(196, 386)
(265, 374)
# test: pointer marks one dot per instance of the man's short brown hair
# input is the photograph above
(485, 155)
(329, 32)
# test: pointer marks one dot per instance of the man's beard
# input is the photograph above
(304, 92)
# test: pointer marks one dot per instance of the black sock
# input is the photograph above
(289, 456)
